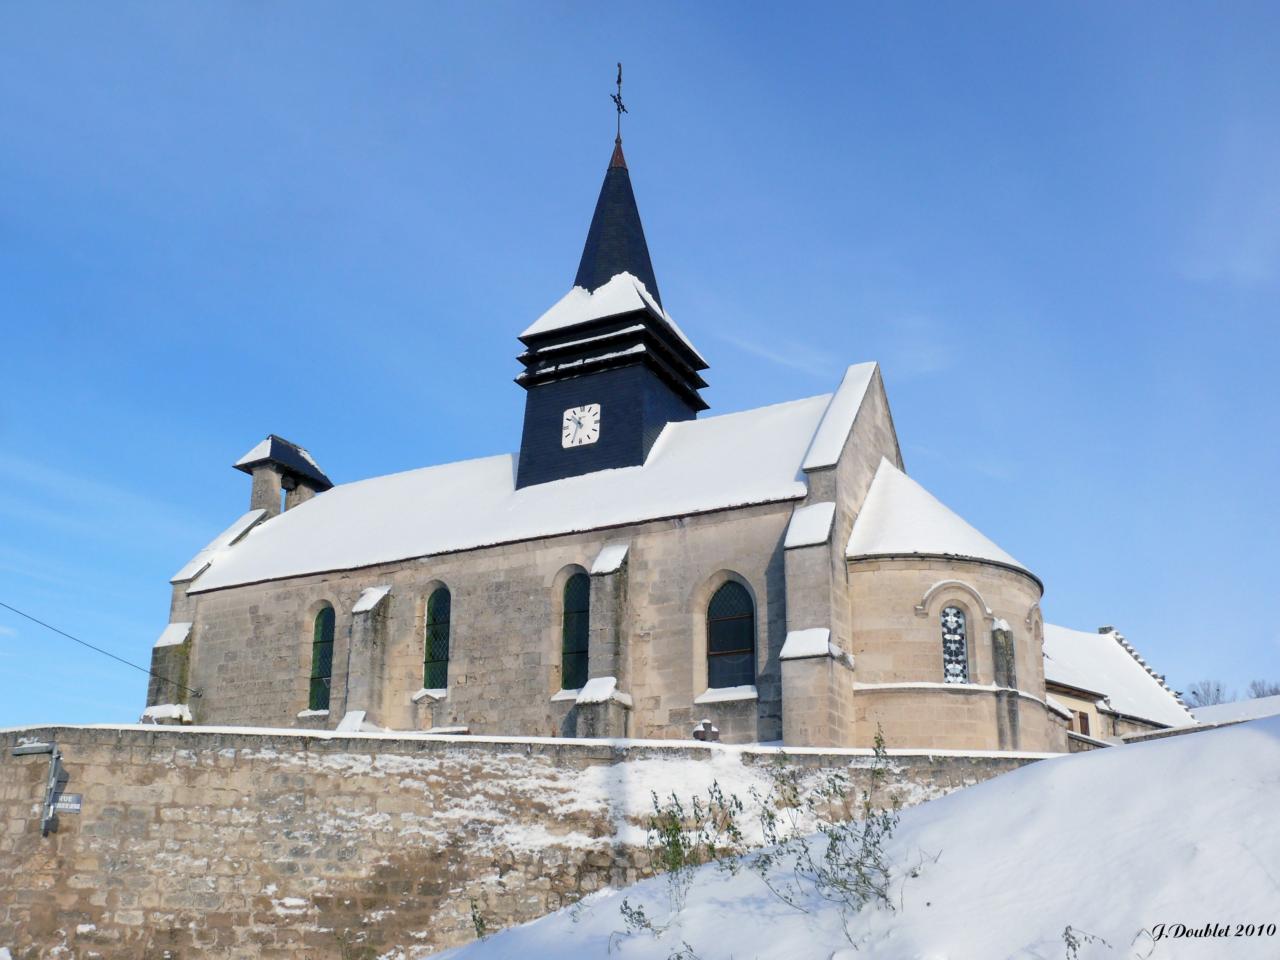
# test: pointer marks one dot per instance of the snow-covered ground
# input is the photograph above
(1112, 843)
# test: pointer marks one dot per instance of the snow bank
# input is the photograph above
(1110, 842)
(1240, 710)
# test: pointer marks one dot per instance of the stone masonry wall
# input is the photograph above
(251, 645)
(200, 842)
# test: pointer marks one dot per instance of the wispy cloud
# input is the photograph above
(1235, 234)
(917, 346)
(47, 497)
(790, 354)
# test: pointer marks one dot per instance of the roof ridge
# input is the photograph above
(1130, 649)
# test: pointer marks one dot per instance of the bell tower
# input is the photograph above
(606, 368)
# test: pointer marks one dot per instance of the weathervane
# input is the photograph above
(617, 102)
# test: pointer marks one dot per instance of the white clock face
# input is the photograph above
(581, 426)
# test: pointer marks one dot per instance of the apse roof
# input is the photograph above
(1104, 663)
(900, 518)
(695, 466)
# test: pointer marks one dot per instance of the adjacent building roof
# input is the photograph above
(1253, 709)
(1105, 664)
(901, 518)
(292, 458)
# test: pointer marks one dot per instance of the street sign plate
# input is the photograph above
(67, 803)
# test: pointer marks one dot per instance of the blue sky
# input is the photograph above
(1057, 227)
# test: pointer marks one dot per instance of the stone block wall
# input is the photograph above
(199, 842)
(251, 645)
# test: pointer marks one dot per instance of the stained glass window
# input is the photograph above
(731, 637)
(576, 631)
(435, 663)
(321, 660)
(955, 648)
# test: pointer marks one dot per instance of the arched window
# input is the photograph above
(731, 637)
(955, 646)
(576, 631)
(435, 656)
(321, 660)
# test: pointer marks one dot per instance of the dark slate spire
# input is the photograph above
(615, 241)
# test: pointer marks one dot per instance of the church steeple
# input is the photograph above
(606, 368)
(615, 240)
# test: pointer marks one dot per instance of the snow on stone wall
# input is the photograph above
(259, 843)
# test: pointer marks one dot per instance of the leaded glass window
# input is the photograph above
(435, 663)
(955, 647)
(731, 637)
(576, 631)
(321, 660)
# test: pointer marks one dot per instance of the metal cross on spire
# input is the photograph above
(617, 102)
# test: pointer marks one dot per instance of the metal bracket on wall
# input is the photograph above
(57, 777)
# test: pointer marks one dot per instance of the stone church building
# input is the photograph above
(636, 568)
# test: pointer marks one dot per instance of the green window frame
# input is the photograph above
(321, 660)
(731, 637)
(435, 654)
(575, 632)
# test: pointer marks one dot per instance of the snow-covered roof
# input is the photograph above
(809, 525)
(1253, 709)
(293, 459)
(1104, 664)
(623, 294)
(695, 466)
(899, 518)
(830, 437)
(196, 564)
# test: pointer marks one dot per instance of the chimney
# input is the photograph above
(280, 467)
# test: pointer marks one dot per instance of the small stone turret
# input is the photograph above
(277, 465)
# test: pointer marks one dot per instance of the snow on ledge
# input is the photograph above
(174, 635)
(432, 693)
(829, 439)
(772, 748)
(167, 711)
(727, 694)
(569, 693)
(813, 642)
(610, 558)
(354, 722)
(624, 293)
(602, 690)
(370, 598)
(809, 525)
(308, 714)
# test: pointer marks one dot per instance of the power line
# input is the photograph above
(105, 653)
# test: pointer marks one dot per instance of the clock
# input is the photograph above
(581, 426)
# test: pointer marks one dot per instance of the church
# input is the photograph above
(639, 568)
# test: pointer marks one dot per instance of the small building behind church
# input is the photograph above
(638, 567)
